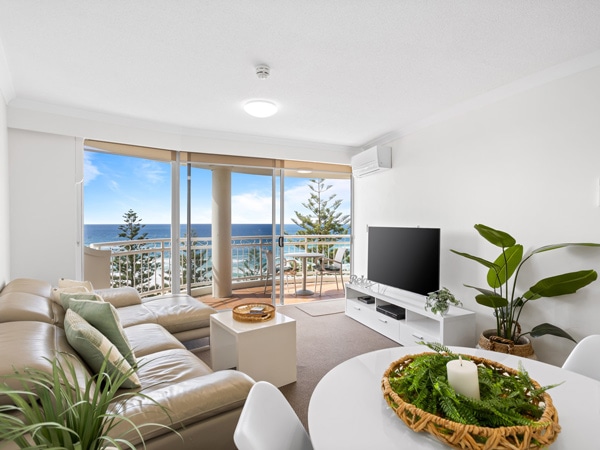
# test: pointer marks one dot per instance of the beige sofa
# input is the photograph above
(204, 405)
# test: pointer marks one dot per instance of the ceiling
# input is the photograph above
(343, 72)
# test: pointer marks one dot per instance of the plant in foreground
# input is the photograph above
(56, 410)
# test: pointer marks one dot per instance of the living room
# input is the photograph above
(521, 156)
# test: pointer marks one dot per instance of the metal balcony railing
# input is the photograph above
(145, 264)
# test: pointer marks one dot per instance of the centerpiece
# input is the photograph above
(512, 411)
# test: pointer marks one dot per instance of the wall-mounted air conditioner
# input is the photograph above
(371, 161)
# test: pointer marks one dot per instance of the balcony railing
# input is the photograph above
(145, 264)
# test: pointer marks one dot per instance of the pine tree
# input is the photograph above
(323, 217)
(137, 269)
(201, 271)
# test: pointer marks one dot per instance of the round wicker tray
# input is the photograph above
(245, 313)
(457, 435)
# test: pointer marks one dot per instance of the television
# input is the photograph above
(405, 258)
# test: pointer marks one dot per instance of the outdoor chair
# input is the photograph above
(333, 266)
(290, 267)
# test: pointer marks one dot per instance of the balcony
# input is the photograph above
(146, 265)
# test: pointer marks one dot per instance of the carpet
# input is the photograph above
(323, 307)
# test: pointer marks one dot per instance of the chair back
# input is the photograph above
(270, 262)
(268, 422)
(584, 357)
(339, 254)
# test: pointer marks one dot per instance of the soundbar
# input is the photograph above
(393, 311)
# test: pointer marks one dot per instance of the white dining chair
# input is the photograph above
(268, 422)
(332, 266)
(584, 357)
(290, 267)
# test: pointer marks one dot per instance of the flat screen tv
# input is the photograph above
(405, 258)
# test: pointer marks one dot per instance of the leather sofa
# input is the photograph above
(204, 406)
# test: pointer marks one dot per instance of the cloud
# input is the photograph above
(151, 171)
(90, 171)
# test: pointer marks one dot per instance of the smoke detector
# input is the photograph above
(263, 71)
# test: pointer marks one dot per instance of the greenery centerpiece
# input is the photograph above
(55, 410)
(439, 301)
(503, 297)
(513, 411)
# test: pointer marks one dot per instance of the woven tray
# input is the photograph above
(471, 436)
(243, 313)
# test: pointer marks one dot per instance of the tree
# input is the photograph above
(138, 268)
(323, 217)
(201, 271)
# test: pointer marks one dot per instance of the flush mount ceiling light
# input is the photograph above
(260, 108)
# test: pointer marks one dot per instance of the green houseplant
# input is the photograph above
(54, 409)
(439, 301)
(503, 297)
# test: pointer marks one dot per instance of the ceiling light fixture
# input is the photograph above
(304, 171)
(260, 108)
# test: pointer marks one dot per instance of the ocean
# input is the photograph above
(110, 232)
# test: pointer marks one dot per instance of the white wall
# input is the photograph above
(44, 225)
(4, 199)
(528, 165)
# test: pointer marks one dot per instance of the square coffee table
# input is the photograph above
(264, 350)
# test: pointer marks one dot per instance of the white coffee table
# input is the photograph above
(264, 350)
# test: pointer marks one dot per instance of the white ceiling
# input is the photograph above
(343, 72)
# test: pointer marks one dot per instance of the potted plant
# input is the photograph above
(439, 301)
(503, 297)
(54, 410)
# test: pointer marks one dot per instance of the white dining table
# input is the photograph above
(303, 256)
(347, 409)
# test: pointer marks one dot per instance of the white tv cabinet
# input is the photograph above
(457, 327)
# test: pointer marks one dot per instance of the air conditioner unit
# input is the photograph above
(371, 161)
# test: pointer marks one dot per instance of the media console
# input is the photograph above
(402, 317)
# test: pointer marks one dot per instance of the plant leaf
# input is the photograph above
(486, 263)
(547, 248)
(492, 301)
(567, 283)
(495, 237)
(508, 262)
(548, 328)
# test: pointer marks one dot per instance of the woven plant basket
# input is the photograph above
(489, 341)
(458, 435)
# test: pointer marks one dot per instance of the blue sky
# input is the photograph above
(113, 184)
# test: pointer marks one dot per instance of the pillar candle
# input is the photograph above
(462, 376)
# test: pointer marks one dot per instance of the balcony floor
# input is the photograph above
(257, 295)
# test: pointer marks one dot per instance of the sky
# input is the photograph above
(114, 184)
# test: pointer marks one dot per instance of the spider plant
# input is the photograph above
(503, 298)
(53, 409)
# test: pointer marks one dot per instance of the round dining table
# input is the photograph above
(347, 409)
(303, 256)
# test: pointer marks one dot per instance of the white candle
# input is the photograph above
(462, 376)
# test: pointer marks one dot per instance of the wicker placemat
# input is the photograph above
(457, 435)
(253, 312)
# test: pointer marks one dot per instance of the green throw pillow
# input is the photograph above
(103, 316)
(66, 296)
(94, 347)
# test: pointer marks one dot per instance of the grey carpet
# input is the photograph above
(323, 307)
(322, 343)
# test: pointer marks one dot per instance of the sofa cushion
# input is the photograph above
(57, 292)
(28, 285)
(120, 297)
(66, 296)
(30, 344)
(179, 312)
(103, 316)
(148, 338)
(15, 306)
(66, 283)
(94, 348)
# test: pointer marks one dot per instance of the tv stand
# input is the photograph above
(457, 327)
